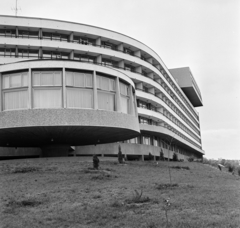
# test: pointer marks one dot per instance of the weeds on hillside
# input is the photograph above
(137, 198)
(166, 186)
(180, 167)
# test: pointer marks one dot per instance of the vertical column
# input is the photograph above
(1, 106)
(40, 35)
(64, 88)
(99, 59)
(71, 56)
(118, 96)
(131, 111)
(120, 47)
(16, 32)
(138, 69)
(71, 37)
(137, 53)
(40, 53)
(121, 64)
(98, 41)
(30, 88)
(16, 51)
(95, 98)
(150, 75)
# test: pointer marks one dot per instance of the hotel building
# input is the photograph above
(74, 89)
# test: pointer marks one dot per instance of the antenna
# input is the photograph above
(16, 9)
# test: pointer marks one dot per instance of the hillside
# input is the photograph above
(66, 192)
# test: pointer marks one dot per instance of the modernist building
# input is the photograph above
(69, 85)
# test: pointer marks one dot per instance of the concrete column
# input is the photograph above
(142, 157)
(132, 108)
(1, 105)
(40, 53)
(71, 37)
(71, 56)
(98, 41)
(118, 96)
(137, 53)
(160, 109)
(154, 157)
(95, 98)
(121, 64)
(120, 47)
(158, 66)
(40, 35)
(150, 60)
(99, 59)
(150, 75)
(30, 88)
(16, 51)
(16, 31)
(64, 88)
(138, 69)
(151, 90)
(139, 85)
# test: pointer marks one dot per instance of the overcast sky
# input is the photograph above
(201, 34)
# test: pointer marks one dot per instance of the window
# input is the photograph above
(79, 89)
(28, 34)
(146, 140)
(55, 36)
(142, 104)
(143, 120)
(7, 52)
(125, 97)
(106, 93)
(108, 45)
(28, 53)
(15, 91)
(83, 40)
(109, 62)
(84, 58)
(47, 89)
(55, 55)
(8, 32)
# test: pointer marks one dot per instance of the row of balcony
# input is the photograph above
(144, 105)
(98, 42)
(146, 121)
(46, 54)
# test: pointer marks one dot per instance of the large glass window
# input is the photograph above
(83, 40)
(106, 93)
(7, 52)
(15, 91)
(28, 34)
(47, 89)
(79, 89)
(125, 98)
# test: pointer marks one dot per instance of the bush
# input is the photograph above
(238, 170)
(231, 168)
(175, 157)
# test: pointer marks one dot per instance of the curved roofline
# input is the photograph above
(84, 25)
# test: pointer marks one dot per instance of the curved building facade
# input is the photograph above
(67, 84)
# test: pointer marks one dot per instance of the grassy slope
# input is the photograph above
(65, 193)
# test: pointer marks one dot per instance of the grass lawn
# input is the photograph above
(66, 192)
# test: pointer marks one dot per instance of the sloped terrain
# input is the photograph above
(67, 192)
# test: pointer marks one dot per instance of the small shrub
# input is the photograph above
(238, 170)
(175, 157)
(166, 186)
(137, 198)
(161, 158)
(180, 167)
(25, 169)
(231, 168)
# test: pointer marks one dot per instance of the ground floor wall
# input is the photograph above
(129, 150)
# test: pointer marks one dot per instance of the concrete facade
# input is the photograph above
(67, 84)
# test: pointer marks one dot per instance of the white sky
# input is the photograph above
(201, 34)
